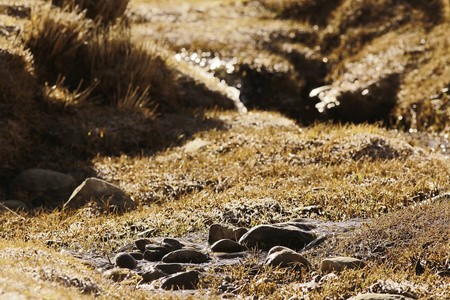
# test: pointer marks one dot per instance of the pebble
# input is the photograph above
(338, 264)
(267, 236)
(125, 260)
(185, 256)
(285, 258)
(227, 245)
(181, 281)
(222, 231)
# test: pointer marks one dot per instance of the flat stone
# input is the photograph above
(185, 256)
(152, 275)
(285, 258)
(227, 245)
(170, 268)
(38, 187)
(222, 231)
(338, 264)
(267, 236)
(125, 260)
(137, 255)
(181, 281)
(373, 296)
(103, 193)
(172, 244)
(155, 253)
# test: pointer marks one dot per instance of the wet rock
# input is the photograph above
(181, 281)
(170, 268)
(117, 274)
(125, 260)
(141, 243)
(373, 296)
(171, 244)
(37, 187)
(137, 255)
(267, 236)
(223, 231)
(152, 275)
(337, 264)
(103, 193)
(227, 245)
(284, 258)
(155, 253)
(185, 256)
(15, 205)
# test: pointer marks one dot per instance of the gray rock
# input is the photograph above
(103, 193)
(267, 236)
(125, 260)
(222, 231)
(227, 245)
(172, 244)
(137, 255)
(141, 243)
(37, 187)
(181, 281)
(373, 296)
(285, 258)
(185, 256)
(152, 275)
(170, 268)
(15, 205)
(337, 264)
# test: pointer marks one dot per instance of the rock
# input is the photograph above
(117, 274)
(137, 255)
(338, 264)
(152, 275)
(224, 255)
(285, 258)
(102, 192)
(185, 256)
(155, 253)
(267, 236)
(37, 187)
(170, 268)
(373, 296)
(141, 243)
(181, 281)
(227, 245)
(222, 231)
(125, 260)
(15, 205)
(172, 244)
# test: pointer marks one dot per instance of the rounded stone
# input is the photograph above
(338, 264)
(185, 256)
(170, 268)
(152, 275)
(137, 255)
(125, 260)
(141, 243)
(227, 245)
(181, 281)
(172, 244)
(223, 231)
(286, 258)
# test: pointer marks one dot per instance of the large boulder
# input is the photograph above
(104, 194)
(38, 187)
(283, 234)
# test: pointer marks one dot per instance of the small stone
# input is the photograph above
(155, 253)
(103, 193)
(221, 231)
(285, 258)
(125, 260)
(181, 281)
(141, 243)
(185, 256)
(227, 245)
(172, 244)
(170, 268)
(117, 274)
(267, 236)
(152, 275)
(338, 264)
(374, 296)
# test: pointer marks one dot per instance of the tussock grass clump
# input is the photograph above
(100, 10)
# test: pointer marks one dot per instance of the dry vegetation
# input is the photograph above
(115, 91)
